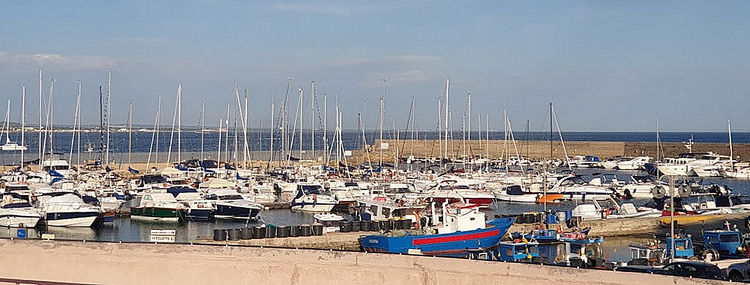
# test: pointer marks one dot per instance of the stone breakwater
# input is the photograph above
(184, 264)
(537, 149)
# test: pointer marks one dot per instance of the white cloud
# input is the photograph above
(73, 62)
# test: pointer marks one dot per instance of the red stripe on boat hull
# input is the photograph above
(455, 238)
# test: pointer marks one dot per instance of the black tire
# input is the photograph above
(735, 276)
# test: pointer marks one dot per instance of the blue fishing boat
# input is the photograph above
(464, 231)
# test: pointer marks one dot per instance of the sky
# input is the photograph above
(606, 65)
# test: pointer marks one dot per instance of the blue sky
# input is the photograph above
(607, 65)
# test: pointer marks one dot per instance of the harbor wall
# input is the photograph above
(129, 263)
(538, 149)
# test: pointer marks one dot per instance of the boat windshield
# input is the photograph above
(149, 179)
(230, 197)
(310, 189)
(573, 181)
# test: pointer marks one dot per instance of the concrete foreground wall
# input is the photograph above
(113, 263)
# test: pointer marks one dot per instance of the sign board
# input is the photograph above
(162, 236)
(21, 233)
(48, 236)
(384, 146)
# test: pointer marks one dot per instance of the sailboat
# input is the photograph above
(9, 145)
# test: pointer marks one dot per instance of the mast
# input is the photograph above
(245, 126)
(226, 142)
(108, 114)
(447, 86)
(75, 122)
(380, 146)
(731, 150)
(179, 123)
(301, 121)
(23, 123)
(41, 102)
(203, 127)
(218, 153)
(130, 133)
(325, 127)
(270, 157)
(468, 119)
(312, 120)
(155, 137)
(174, 121)
(101, 124)
(6, 123)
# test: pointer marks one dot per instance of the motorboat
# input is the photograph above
(516, 194)
(574, 188)
(194, 207)
(587, 161)
(162, 207)
(330, 222)
(310, 198)
(596, 211)
(641, 186)
(15, 211)
(453, 192)
(66, 209)
(636, 163)
(230, 204)
(612, 162)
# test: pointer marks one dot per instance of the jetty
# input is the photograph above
(186, 264)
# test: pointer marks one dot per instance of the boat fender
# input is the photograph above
(165, 185)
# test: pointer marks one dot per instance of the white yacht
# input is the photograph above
(67, 210)
(574, 188)
(15, 211)
(229, 204)
(310, 198)
(637, 163)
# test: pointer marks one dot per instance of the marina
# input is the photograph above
(374, 142)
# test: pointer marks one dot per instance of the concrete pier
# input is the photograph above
(142, 263)
(338, 241)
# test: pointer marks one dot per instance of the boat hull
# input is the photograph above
(235, 212)
(314, 207)
(19, 220)
(198, 215)
(155, 214)
(453, 244)
(71, 219)
(481, 201)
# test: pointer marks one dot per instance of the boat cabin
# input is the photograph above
(518, 251)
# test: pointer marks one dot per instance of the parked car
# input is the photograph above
(739, 271)
(695, 269)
